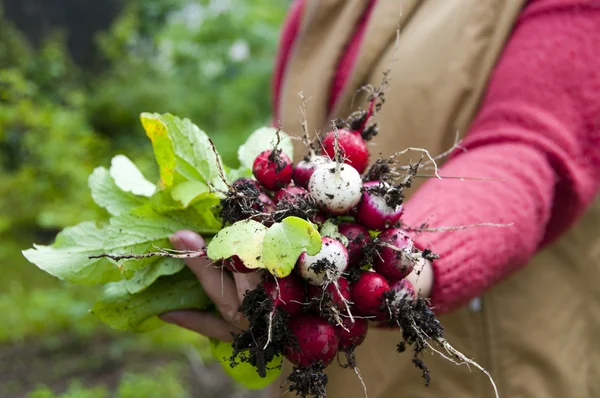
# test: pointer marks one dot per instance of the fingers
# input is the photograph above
(245, 282)
(204, 323)
(216, 283)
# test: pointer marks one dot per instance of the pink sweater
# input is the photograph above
(538, 129)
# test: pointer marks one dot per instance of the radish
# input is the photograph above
(339, 295)
(273, 169)
(244, 182)
(287, 293)
(290, 194)
(404, 289)
(358, 238)
(368, 294)
(317, 340)
(354, 148)
(352, 334)
(235, 264)
(394, 260)
(327, 265)
(305, 168)
(379, 208)
(264, 204)
(336, 187)
(318, 219)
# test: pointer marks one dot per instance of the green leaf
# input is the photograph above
(190, 192)
(164, 150)
(108, 195)
(182, 150)
(234, 174)
(147, 229)
(147, 275)
(285, 241)
(129, 178)
(67, 258)
(138, 231)
(330, 228)
(244, 239)
(122, 310)
(147, 224)
(262, 139)
(244, 373)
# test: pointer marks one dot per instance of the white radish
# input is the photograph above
(336, 187)
(327, 265)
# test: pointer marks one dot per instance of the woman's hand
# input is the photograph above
(225, 292)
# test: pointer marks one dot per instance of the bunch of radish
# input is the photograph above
(324, 308)
(325, 235)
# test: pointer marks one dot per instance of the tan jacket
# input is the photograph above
(538, 331)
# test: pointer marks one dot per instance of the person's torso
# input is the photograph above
(535, 332)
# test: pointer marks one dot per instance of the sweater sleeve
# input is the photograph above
(538, 132)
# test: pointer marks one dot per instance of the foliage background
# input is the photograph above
(209, 60)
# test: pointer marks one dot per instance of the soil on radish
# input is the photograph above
(308, 380)
(240, 202)
(392, 195)
(266, 337)
(379, 170)
(327, 306)
(352, 274)
(323, 266)
(303, 207)
(275, 157)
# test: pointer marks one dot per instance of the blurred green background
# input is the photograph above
(74, 77)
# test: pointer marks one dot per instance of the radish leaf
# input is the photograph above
(285, 241)
(182, 150)
(68, 258)
(260, 140)
(190, 192)
(109, 196)
(138, 312)
(329, 228)
(243, 372)
(159, 266)
(244, 239)
(129, 178)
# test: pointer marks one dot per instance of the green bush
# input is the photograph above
(163, 382)
(210, 61)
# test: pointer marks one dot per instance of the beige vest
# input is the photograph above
(538, 331)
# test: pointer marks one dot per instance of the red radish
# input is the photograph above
(373, 212)
(317, 340)
(358, 238)
(290, 194)
(367, 294)
(291, 294)
(340, 294)
(354, 334)
(235, 264)
(354, 148)
(336, 187)
(325, 266)
(394, 262)
(265, 204)
(273, 169)
(305, 168)
(247, 182)
(318, 219)
(404, 289)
